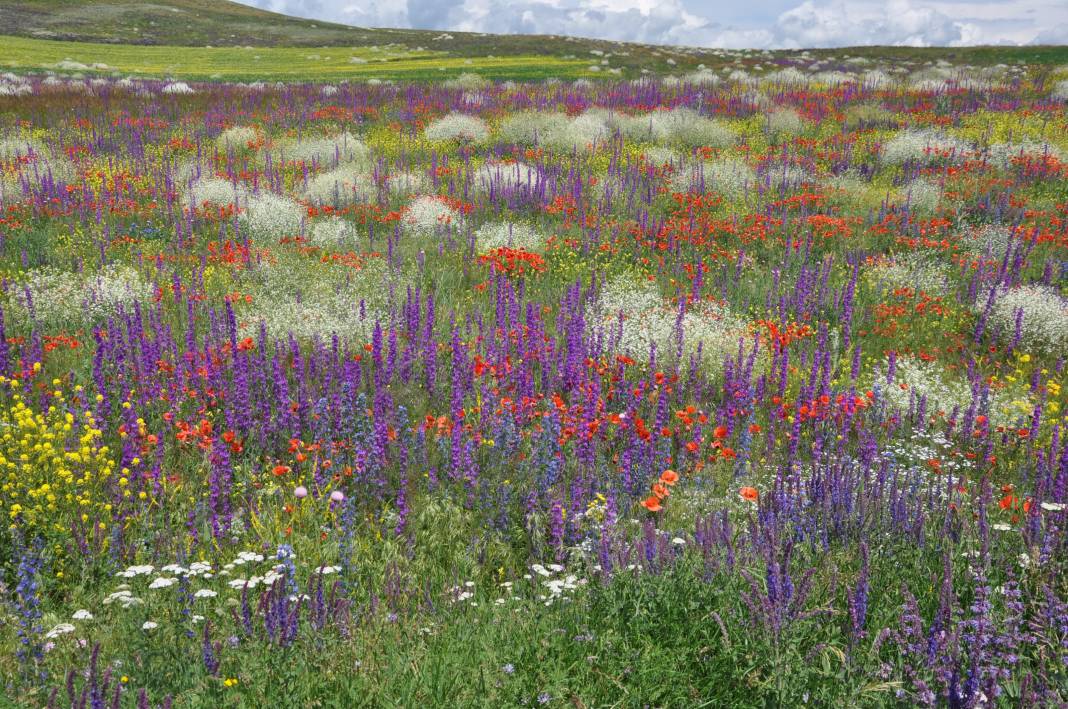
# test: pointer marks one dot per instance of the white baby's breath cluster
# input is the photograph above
(178, 88)
(915, 378)
(514, 235)
(289, 301)
(682, 126)
(326, 151)
(426, 214)
(530, 127)
(1059, 92)
(632, 315)
(268, 217)
(908, 271)
(783, 175)
(730, 176)
(923, 147)
(790, 76)
(458, 127)
(340, 187)
(236, 138)
(33, 164)
(783, 122)
(583, 132)
(988, 239)
(58, 298)
(468, 81)
(1002, 155)
(406, 183)
(505, 175)
(214, 192)
(922, 196)
(332, 233)
(11, 85)
(1044, 322)
(13, 148)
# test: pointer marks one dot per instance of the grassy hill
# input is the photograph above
(167, 22)
(217, 39)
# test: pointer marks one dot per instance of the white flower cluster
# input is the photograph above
(269, 217)
(914, 377)
(868, 114)
(875, 79)
(236, 138)
(459, 127)
(178, 88)
(702, 77)
(530, 127)
(327, 151)
(790, 76)
(288, 302)
(406, 183)
(428, 213)
(557, 582)
(214, 193)
(123, 596)
(922, 196)
(784, 122)
(1001, 155)
(508, 234)
(59, 298)
(989, 239)
(659, 156)
(11, 85)
(339, 187)
(1059, 91)
(909, 271)
(786, 176)
(332, 233)
(14, 148)
(683, 126)
(740, 76)
(923, 147)
(634, 315)
(730, 177)
(1044, 323)
(505, 175)
(35, 164)
(833, 78)
(583, 132)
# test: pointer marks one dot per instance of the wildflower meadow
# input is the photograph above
(739, 387)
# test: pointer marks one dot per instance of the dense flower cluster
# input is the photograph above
(56, 470)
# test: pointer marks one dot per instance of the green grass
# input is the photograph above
(269, 63)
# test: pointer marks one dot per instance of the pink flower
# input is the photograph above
(337, 496)
(301, 492)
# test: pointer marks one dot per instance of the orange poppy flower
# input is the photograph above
(749, 494)
(720, 432)
(669, 477)
(660, 491)
(652, 504)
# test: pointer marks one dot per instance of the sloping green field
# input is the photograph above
(270, 63)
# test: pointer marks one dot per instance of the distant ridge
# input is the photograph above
(220, 23)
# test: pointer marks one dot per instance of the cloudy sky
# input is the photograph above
(717, 23)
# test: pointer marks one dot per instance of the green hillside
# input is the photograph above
(221, 40)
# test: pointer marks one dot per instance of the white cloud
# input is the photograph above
(898, 22)
(811, 23)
